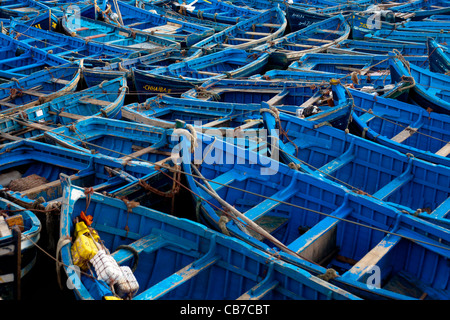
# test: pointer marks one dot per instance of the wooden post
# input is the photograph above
(17, 236)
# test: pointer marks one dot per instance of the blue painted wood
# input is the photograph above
(217, 11)
(177, 78)
(314, 38)
(112, 137)
(360, 47)
(430, 89)
(438, 56)
(316, 200)
(19, 59)
(365, 166)
(102, 32)
(39, 87)
(86, 170)
(66, 47)
(31, 233)
(104, 100)
(188, 259)
(147, 22)
(245, 35)
(289, 96)
(381, 119)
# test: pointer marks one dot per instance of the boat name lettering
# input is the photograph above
(157, 88)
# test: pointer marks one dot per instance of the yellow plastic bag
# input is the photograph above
(85, 246)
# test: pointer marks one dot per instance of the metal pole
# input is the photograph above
(17, 236)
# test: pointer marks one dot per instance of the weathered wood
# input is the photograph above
(444, 151)
(403, 135)
(95, 101)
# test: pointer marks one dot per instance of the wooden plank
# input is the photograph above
(251, 33)
(95, 36)
(403, 135)
(444, 151)
(208, 73)
(95, 101)
(178, 278)
(260, 291)
(373, 257)
(60, 81)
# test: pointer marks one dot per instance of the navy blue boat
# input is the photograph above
(188, 260)
(300, 18)
(180, 77)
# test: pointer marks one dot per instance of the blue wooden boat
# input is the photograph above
(315, 103)
(67, 47)
(437, 17)
(345, 64)
(30, 228)
(40, 164)
(39, 87)
(180, 77)
(189, 261)
(21, 8)
(166, 112)
(439, 57)
(418, 10)
(114, 138)
(318, 224)
(105, 100)
(18, 59)
(431, 90)
(167, 10)
(361, 47)
(162, 26)
(314, 38)
(217, 11)
(45, 21)
(299, 18)
(363, 24)
(364, 166)
(99, 72)
(377, 84)
(245, 35)
(102, 32)
(401, 126)
(408, 36)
